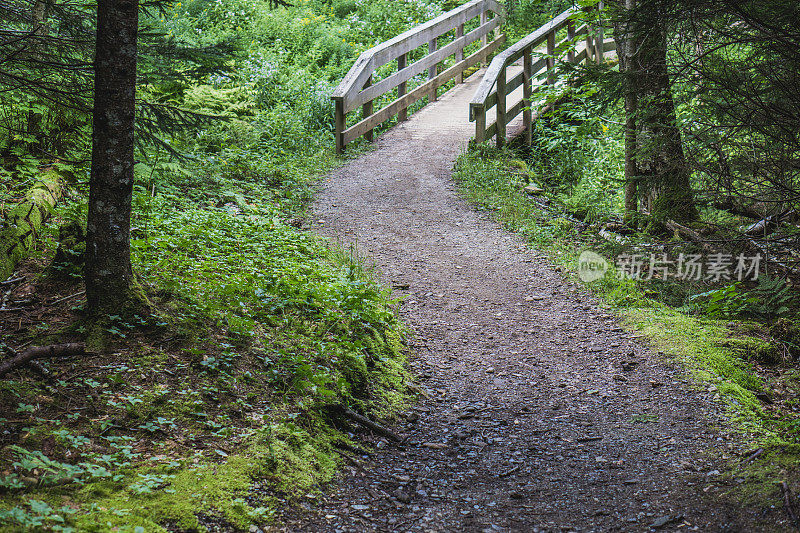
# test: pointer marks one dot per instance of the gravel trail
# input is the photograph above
(542, 413)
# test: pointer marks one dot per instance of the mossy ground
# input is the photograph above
(211, 407)
(163, 433)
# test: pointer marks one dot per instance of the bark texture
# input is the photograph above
(660, 160)
(653, 145)
(108, 273)
(626, 48)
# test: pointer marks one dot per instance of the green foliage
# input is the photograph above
(771, 298)
(40, 516)
(265, 324)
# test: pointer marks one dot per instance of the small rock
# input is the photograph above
(662, 521)
(360, 507)
(402, 496)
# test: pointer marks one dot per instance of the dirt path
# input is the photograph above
(543, 415)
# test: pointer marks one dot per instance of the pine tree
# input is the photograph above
(656, 167)
(108, 274)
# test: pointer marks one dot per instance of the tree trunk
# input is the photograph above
(108, 273)
(40, 15)
(664, 185)
(627, 46)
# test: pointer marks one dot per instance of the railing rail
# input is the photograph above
(357, 87)
(495, 88)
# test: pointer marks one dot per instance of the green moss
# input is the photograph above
(765, 352)
(293, 459)
(699, 344)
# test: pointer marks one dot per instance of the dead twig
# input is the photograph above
(752, 455)
(510, 471)
(68, 297)
(689, 233)
(787, 503)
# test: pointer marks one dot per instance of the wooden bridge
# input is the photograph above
(443, 53)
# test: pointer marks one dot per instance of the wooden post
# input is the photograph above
(551, 60)
(402, 62)
(598, 43)
(485, 38)
(571, 39)
(480, 123)
(589, 46)
(527, 66)
(459, 53)
(432, 71)
(341, 122)
(501, 108)
(366, 111)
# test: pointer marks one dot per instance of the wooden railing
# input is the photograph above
(495, 88)
(357, 87)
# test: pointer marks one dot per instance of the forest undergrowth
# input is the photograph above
(223, 403)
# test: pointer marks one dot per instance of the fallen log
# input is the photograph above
(767, 225)
(42, 352)
(740, 210)
(24, 221)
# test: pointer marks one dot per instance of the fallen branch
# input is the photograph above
(42, 352)
(510, 471)
(68, 297)
(369, 424)
(752, 456)
(787, 503)
(740, 210)
(689, 233)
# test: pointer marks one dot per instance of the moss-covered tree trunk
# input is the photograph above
(108, 273)
(663, 184)
(627, 46)
(23, 222)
